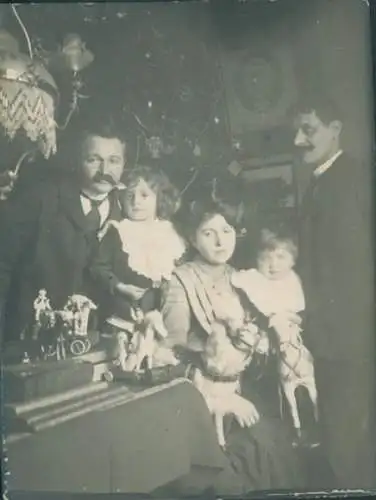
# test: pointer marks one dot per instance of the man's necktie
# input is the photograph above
(93, 218)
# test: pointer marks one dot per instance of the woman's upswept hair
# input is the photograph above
(168, 197)
(200, 210)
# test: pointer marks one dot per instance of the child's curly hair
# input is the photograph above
(168, 197)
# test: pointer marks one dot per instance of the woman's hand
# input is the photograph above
(244, 411)
(134, 292)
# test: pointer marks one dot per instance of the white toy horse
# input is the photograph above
(140, 340)
(295, 367)
(149, 329)
(228, 351)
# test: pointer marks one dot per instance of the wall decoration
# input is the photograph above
(272, 188)
(260, 87)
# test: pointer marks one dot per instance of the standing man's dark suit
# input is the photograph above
(338, 277)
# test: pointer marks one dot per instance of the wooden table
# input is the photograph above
(114, 439)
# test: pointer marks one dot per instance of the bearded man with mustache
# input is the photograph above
(50, 232)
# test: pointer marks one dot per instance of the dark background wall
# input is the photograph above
(172, 70)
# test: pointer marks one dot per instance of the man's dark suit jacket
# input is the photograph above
(44, 244)
(337, 262)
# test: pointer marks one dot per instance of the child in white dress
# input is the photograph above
(138, 254)
(274, 287)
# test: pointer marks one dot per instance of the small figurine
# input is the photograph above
(77, 311)
(144, 342)
(25, 358)
(122, 330)
(75, 316)
(44, 320)
(42, 308)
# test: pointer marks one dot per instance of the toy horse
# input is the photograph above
(144, 343)
(228, 351)
(295, 369)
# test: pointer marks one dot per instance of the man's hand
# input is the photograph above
(7, 181)
(134, 292)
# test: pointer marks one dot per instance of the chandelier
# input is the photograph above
(29, 95)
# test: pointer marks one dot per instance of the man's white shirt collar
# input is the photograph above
(325, 166)
(104, 207)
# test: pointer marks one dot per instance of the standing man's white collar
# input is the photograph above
(325, 166)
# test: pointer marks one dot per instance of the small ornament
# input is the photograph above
(197, 150)
(74, 53)
(236, 144)
(185, 93)
(26, 358)
(235, 168)
(155, 146)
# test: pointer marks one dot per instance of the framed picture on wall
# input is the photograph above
(271, 187)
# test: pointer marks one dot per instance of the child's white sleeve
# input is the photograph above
(254, 285)
(299, 299)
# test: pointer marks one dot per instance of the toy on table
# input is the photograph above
(75, 316)
(139, 341)
(38, 345)
(56, 332)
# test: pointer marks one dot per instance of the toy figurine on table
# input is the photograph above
(75, 316)
(136, 257)
(54, 333)
(38, 342)
(42, 311)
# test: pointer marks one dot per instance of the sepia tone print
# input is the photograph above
(186, 248)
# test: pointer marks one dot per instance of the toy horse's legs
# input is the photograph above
(140, 354)
(289, 390)
(218, 422)
(149, 361)
(312, 391)
(121, 342)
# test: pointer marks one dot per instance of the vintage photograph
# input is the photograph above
(186, 248)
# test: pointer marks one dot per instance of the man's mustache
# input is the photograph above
(108, 178)
(98, 177)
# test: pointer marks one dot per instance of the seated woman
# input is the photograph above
(259, 453)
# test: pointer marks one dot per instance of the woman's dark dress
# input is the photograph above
(260, 457)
